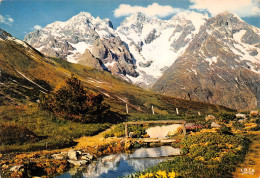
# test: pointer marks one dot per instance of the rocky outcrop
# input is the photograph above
(86, 40)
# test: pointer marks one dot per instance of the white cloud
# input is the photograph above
(37, 27)
(154, 10)
(243, 8)
(6, 20)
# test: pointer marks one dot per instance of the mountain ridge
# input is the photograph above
(142, 50)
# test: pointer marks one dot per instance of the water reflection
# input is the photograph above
(162, 131)
(122, 164)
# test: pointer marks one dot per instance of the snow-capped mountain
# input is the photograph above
(189, 56)
(155, 43)
(221, 65)
(140, 48)
(87, 40)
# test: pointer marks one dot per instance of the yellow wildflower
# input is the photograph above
(171, 174)
(150, 175)
(161, 174)
(142, 176)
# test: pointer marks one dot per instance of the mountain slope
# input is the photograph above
(25, 73)
(81, 36)
(221, 65)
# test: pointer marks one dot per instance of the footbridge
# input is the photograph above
(182, 122)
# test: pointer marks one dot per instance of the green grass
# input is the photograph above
(206, 155)
(56, 132)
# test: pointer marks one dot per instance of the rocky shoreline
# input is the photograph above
(44, 163)
(49, 163)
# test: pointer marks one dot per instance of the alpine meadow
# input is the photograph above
(138, 89)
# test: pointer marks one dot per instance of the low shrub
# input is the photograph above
(226, 117)
(12, 134)
(238, 125)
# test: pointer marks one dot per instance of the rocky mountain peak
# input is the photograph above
(197, 19)
(4, 34)
(135, 19)
(229, 14)
(87, 40)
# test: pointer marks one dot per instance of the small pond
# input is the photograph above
(119, 165)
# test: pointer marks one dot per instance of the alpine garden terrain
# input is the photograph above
(26, 75)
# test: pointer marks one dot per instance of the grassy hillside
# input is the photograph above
(25, 73)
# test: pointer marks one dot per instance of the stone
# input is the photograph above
(58, 156)
(64, 153)
(210, 118)
(239, 115)
(16, 168)
(87, 156)
(254, 113)
(78, 163)
(215, 125)
(72, 155)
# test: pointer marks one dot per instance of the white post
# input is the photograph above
(126, 107)
(152, 109)
(177, 111)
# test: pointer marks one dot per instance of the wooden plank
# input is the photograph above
(158, 122)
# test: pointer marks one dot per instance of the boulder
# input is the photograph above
(239, 115)
(210, 118)
(16, 168)
(72, 154)
(215, 125)
(87, 156)
(78, 163)
(58, 156)
(254, 113)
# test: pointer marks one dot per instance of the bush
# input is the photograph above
(238, 125)
(226, 117)
(225, 130)
(73, 102)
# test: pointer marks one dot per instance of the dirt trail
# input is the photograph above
(95, 140)
(87, 141)
(252, 159)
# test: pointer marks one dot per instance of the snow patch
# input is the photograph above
(211, 60)
(237, 36)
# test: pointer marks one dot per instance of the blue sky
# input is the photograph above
(20, 17)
